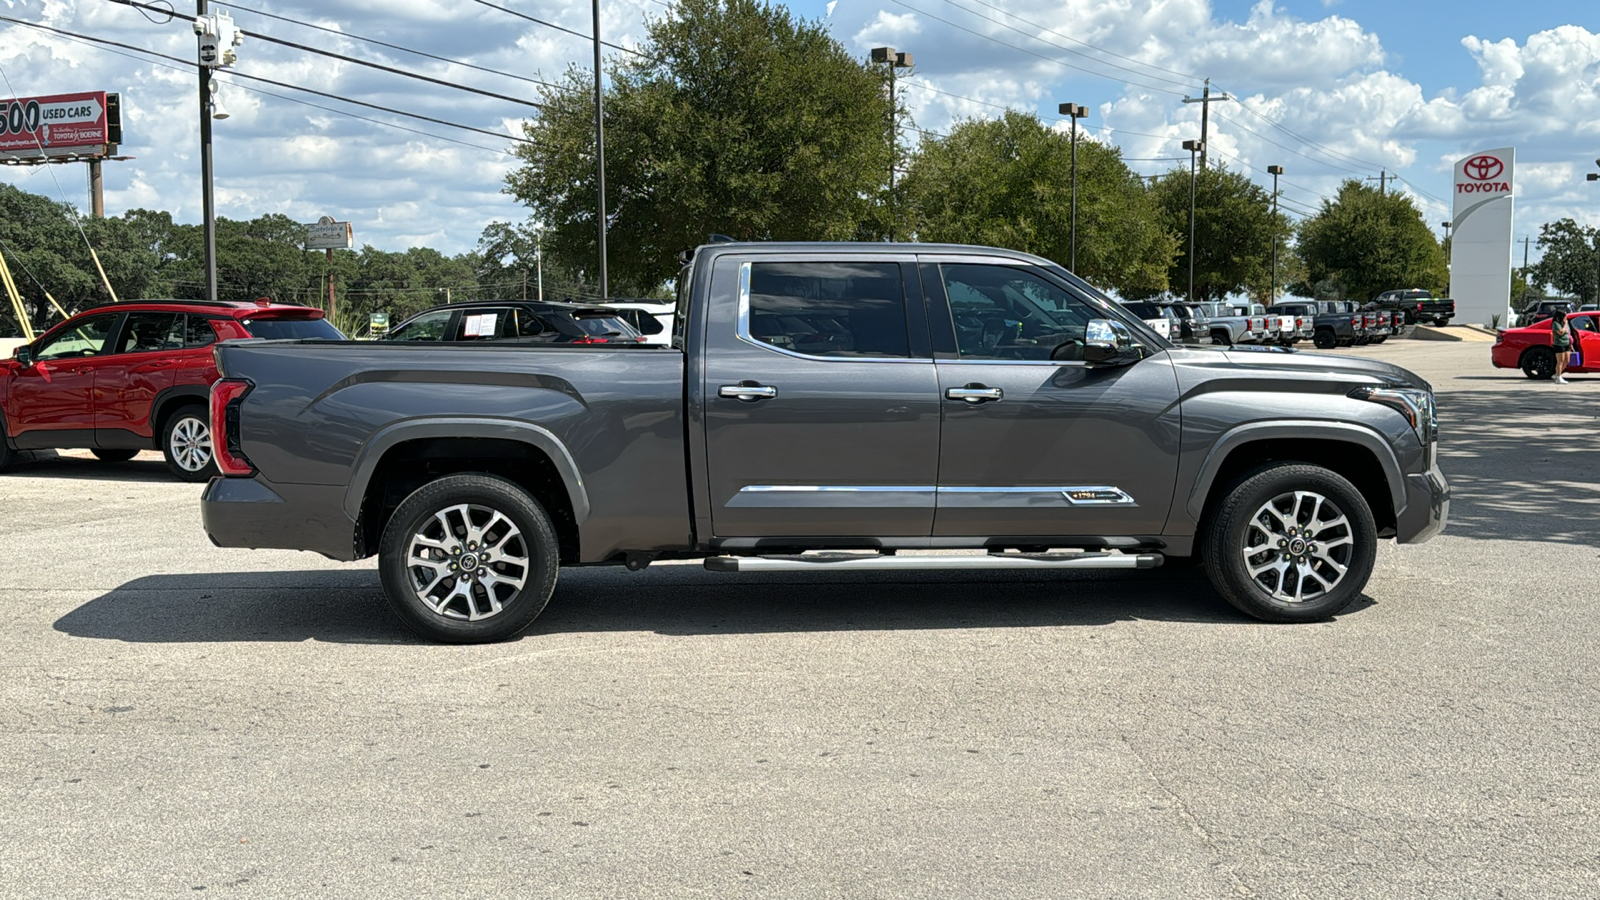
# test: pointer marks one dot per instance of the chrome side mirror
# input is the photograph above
(1109, 343)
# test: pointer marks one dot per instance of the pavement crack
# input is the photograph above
(1190, 820)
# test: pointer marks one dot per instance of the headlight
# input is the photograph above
(1415, 404)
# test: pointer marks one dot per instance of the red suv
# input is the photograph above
(134, 376)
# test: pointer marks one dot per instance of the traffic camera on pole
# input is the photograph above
(218, 36)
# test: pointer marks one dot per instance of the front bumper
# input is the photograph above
(1427, 509)
(257, 514)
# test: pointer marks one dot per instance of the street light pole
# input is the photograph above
(599, 153)
(1275, 171)
(208, 211)
(1075, 112)
(1595, 176)
(894, 60)
(1194, 147)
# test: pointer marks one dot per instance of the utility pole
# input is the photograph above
(895, 61)
(599, 153)
(538, 260)
(1275, 171)
(217, 38)
(1205, 100)
(1076, 112)
(1525, 242)
(1383, 181)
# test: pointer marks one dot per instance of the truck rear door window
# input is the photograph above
(829, 308)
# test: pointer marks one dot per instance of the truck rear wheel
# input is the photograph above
(1222, 337)
(1325, 339)
(1291, 543)
(469, 559)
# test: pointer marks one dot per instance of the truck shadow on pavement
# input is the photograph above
(1522, 466)
(49, 464)
(342, 606)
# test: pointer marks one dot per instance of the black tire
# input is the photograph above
(1539, 363)
(1441, 322)
(119, 455)
(1242, 522)
(186, 443)
(1380, 339)
(1325, 339)
(1222, 337)
(468, 502)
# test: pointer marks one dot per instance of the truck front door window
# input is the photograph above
(1010, 314)
(829, 309)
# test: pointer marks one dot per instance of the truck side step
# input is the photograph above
(857, 562)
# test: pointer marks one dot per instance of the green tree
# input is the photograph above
(1234, 230)
(1007, 182)
(46, 252)
(736, 118)
(1571, 260)
(1369, 241)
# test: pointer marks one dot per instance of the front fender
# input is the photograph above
(1345, 432)
(386, 438)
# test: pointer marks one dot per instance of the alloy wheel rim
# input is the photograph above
(467, 562)
(191, 444)
(1298, 547)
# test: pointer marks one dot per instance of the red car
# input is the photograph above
(1528, 348)
(134, 376)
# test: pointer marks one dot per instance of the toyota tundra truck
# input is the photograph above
(827, 408)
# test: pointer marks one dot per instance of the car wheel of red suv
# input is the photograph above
(186, 442)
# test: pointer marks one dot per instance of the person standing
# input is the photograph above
(1561, 343)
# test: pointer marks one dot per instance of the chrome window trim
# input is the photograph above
(741, 328)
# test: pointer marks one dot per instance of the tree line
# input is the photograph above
(147, 255)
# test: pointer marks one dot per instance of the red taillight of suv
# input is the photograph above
(226, 396)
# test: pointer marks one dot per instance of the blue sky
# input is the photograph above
(1330, 90)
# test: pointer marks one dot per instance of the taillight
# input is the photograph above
(226, 395)
(592, 340)
(1355, 321)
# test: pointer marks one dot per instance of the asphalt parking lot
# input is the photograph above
(178, 719)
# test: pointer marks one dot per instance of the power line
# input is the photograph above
(1188, 84)
(1049, 59)
(587, 37)
(375, 41)
(295, 87)
(351, 59)
(254, 90)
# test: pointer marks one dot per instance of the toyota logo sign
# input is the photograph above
(1483, 168)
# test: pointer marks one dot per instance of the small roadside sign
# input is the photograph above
(329, 236)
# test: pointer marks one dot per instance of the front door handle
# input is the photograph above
(153, 366)
(975, 394)
(748, 391)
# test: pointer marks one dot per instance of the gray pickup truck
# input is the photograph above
(827, 407)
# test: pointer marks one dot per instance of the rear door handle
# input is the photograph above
(748, 391)
(975, 393)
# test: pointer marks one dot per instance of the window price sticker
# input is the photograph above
(480, 326)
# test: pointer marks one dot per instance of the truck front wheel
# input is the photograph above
(1290, 543)
(468, 559)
